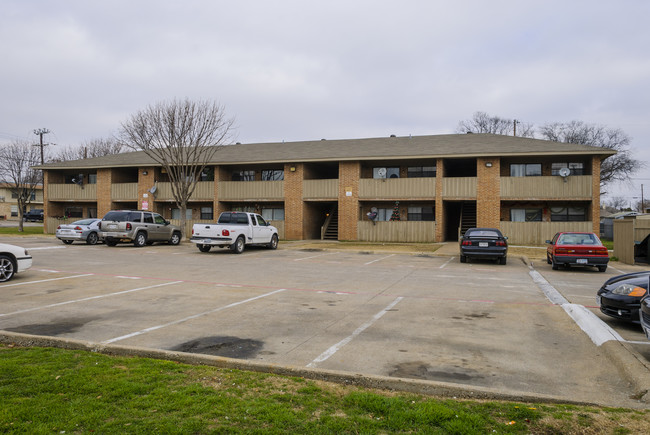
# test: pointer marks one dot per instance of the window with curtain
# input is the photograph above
(526, 215)
(526, 170)
(420, 214)
(568, 214)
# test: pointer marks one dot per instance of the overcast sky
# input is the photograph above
(305, 70)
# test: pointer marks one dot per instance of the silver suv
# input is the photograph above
(138, 227)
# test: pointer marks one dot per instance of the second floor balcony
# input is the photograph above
(71, 192)
(548, 187)
(251, 190)
(396, 188)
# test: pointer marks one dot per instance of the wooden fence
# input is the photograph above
(396, 231)
(627, 233)
(536, 233)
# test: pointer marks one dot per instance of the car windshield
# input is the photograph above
(122, 216)
(484, 233)
(84, 222)
(578, 239)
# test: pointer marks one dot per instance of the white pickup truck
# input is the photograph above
(235, 230)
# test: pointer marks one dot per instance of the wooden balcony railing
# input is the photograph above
(459, 187)
(575, 186)
(124, 192)
(251, 190)
(320, 189)
(397, 188)
(71, 192)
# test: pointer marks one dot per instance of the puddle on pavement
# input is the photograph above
(422, 370)
(52, 329)
(230, 347)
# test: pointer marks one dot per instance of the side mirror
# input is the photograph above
(548, 241)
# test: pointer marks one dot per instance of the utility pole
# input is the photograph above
(40, 132)
(514, 124)
(642, 203)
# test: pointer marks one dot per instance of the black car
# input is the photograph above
(486, 243)
(645, 315)
(35, 215)
(620, 296)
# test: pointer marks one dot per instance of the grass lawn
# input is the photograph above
(27, 230)
(46, 390)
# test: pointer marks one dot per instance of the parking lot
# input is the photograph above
(389, 314)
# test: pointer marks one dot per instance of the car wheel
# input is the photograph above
(503, 260)
(274, 242)
(176, 238)
(204, 248)
(140, 240)
(554, 265)
(238, 246)
(67, 242)
(7, 268)
(92, 239)
(602, 268)
(463, 259)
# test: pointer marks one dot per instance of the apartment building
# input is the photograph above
(433, 187)
(9, 201)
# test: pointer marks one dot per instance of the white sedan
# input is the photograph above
(13, 259)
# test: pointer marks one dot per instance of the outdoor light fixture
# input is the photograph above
(292, 169)
(144, 172)
(488, 164)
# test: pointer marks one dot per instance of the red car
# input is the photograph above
(577, 249)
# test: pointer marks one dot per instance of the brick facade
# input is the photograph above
(294, 207)
(349, 174)
(488, 192)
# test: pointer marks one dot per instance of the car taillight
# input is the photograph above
(59, 227)
(467, 243)
(501, 243)
(225, 233)
(77, 228)
(192, 231)
(128, 226)
(561, 251)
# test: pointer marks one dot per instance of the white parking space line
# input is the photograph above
(598, 331)
(195, 316)
(88, 298)
(313, 256)
(44, 280)
(379, 259)
(617, 270)
(332, 350)
(42, 248)
(446, 263)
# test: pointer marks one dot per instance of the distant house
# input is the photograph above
(436, 185)
(9, 202)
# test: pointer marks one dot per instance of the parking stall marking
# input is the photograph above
(335, 348)
(58, 304)
(44, 280)
(379, 259)
(195, 316)
(313, 256)
(446, 263)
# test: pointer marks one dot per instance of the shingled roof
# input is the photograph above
(385, 148)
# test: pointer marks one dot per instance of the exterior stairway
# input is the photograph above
(331, 227)
(467, 217)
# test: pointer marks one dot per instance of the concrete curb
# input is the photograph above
(632, 366)
(416, 386)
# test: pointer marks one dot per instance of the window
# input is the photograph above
(176, 213)
(14, 210)
(273, 175)
(207, 174)
(92, 212)
(421, 171)
(243, 176)
(260, 221)
(148, 218)
(273, 214)
(384, 214)
(526, 170)
(526, 215)
(74, 212)
(14, 195)
(159, 219)
(568, 214)
(576, 168)
(421, 214)
(383, 172)
(92, 178)
(206, 213)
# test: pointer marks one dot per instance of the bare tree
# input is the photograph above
(16, 162)
(481, 122)
(618, 167)
(91, 148)
(618, 203)
(181, 136)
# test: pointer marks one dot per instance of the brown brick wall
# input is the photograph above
(595, 194)
(349, 173)
(488, 192)
(294, 207)
(104, 183)
(145, 182)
